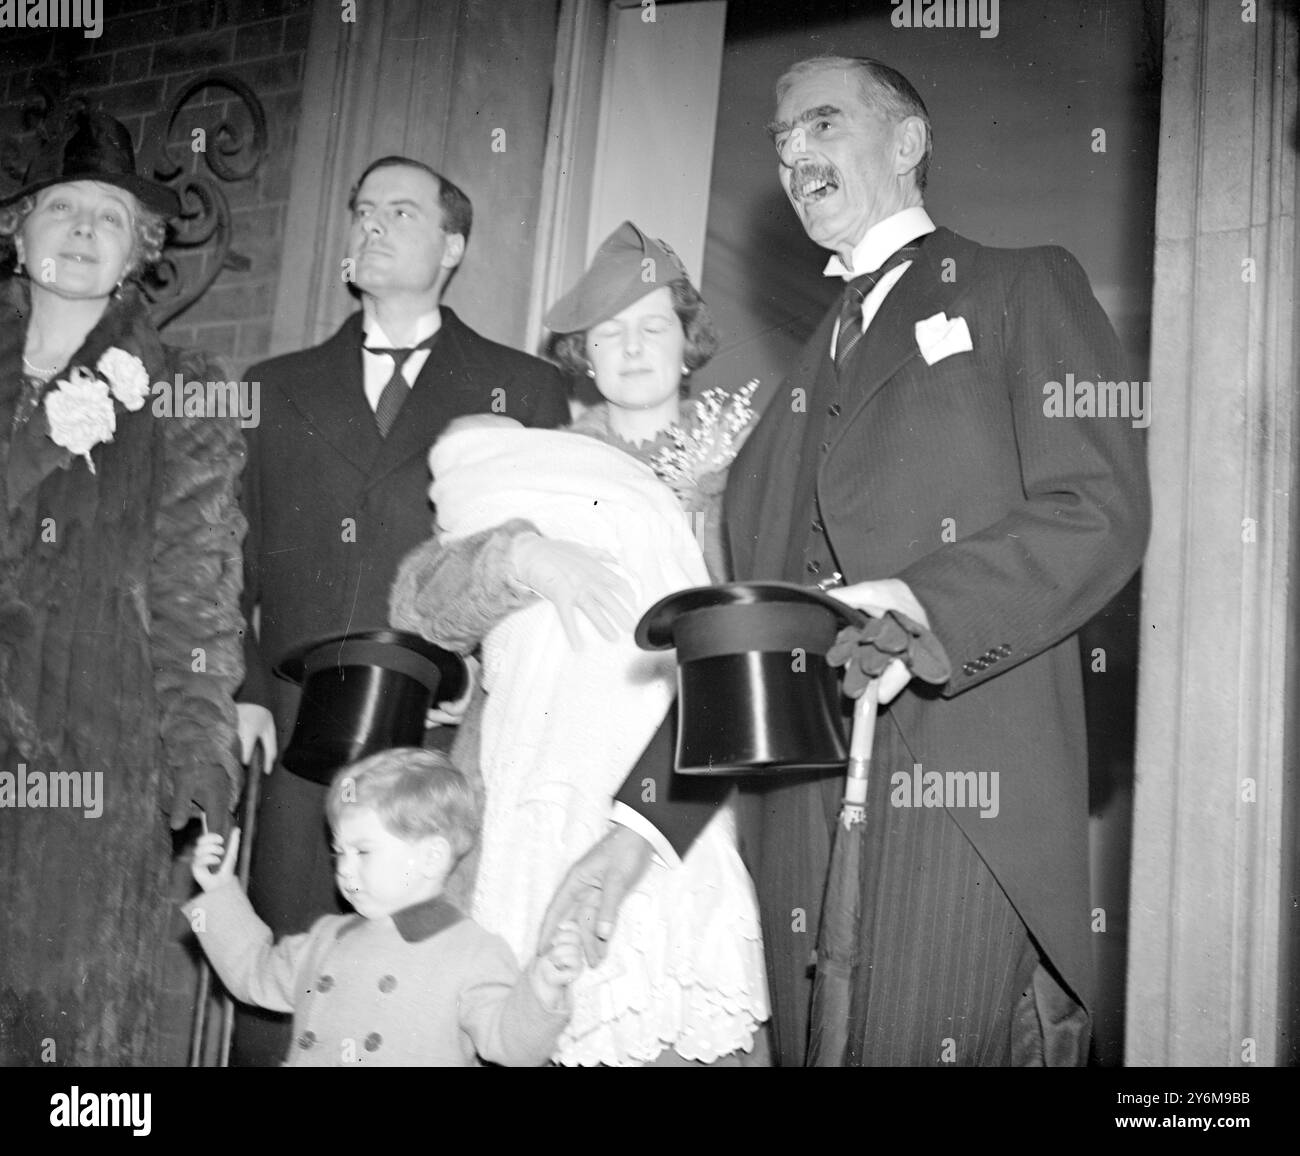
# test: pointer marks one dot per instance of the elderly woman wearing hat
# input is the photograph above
(119, 620)
(567, 710)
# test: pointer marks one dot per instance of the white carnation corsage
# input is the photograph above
(79, 409)
(126, 377)
(80, 414)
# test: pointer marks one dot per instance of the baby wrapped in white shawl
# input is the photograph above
(561, 729)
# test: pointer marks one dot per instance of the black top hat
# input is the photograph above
(755, 692)
(364, 693)
(98, 148)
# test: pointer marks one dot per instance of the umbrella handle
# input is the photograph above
(199, 1022)
(864, 734)
(252, 792)
(251, 796)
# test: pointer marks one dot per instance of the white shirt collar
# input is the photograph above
(427, 325)
(881, 240)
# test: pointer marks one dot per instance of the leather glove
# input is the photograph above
(201, 788)
(865, 651)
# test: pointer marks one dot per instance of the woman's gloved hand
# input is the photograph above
(573, 578)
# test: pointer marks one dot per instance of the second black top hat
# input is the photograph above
(364, 693)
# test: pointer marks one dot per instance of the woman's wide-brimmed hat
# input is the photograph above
(364, 693)
(626, 267)
(755, 692)
(97, 148)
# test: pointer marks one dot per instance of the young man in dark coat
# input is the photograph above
(336, 492)
(920, 459)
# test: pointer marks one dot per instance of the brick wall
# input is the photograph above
(147, 53)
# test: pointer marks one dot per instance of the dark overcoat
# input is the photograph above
(332, 507)
(1011, 522)
(120, 653)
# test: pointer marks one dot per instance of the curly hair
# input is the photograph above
(416, 793)
(570, 349)
(146, 249)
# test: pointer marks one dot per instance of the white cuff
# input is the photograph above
(624, 816)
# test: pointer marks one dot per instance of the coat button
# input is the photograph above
(388, 983)
(814, 567)
(325, 983)
(373, 1040)
(306, 1040)
(968, 668)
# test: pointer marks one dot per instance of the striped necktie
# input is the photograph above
(396, 391)
(855, 293)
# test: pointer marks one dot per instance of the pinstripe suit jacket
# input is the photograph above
(1011, 527)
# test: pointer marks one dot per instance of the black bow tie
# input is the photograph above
(399, 355)
(395, 391)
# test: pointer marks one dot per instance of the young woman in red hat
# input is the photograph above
(569, 710)
(119, 611)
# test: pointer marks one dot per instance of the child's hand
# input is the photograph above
(558, 966)
(207, 854)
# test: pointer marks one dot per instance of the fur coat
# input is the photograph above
(120, 651)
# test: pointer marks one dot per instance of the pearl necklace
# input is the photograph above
(40, 371)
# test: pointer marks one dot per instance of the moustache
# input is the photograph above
(812, 176)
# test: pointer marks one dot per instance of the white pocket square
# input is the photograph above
(941, 336)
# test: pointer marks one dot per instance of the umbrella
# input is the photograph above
(865, 651)
(837, 937)
(198, 1030)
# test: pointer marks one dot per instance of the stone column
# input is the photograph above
(462, 86)
(1215, 709)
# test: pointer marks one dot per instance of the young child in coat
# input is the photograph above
(408, 979)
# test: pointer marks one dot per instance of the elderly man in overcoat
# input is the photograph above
(918, 459)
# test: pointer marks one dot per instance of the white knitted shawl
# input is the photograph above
(561, 728)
